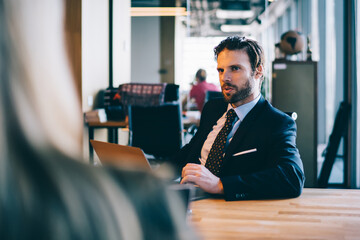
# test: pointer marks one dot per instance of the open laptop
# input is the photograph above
(121, 155)
(111, 154)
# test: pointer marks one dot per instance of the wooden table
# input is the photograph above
(316, 214)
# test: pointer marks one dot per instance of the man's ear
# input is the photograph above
(259, 72)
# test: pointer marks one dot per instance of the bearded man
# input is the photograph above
(244, 147)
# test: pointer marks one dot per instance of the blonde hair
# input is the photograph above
(44, 192)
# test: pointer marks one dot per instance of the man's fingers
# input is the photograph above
(188, 179)
(199, 175)
(190, 166)
(191, 172)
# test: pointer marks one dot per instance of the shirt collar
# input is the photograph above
(243, 110)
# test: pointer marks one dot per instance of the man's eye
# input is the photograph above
(220, 70)
(234, 68)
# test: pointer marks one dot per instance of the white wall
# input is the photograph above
(95, 53)
(145, 49)
(121, 42)
(95, 48)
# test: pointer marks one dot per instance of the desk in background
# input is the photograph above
(316, 214)
(112, 127)
(191, 122)
(191, 118)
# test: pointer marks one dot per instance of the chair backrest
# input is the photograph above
(212, 95)
(157, 130)
(171, 93)
(142, 94)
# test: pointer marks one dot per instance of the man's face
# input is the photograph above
(239, 84)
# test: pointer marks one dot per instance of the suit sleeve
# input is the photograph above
(285, 179)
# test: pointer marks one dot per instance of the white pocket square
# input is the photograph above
(245, 152)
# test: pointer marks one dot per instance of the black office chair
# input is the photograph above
(171, 93)
(157, 130)
(212, 95)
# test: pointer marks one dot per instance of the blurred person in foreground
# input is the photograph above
(198, 91)
(44, 192)
(244, 147)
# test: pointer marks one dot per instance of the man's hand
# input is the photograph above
(201, 176)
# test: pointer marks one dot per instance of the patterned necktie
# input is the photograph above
(216, 154)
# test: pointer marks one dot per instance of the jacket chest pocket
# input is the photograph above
(243, 162)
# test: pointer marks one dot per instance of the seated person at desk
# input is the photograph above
(244, 148)
(46, 193)
(198, 91)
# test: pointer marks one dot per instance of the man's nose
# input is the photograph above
(226, 76)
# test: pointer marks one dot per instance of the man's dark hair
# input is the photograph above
(251, 47)
(201, 75)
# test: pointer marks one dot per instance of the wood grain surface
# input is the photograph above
(316, 214)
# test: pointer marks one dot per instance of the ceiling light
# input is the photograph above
(158, 11)
(236, 28)
(234, 14)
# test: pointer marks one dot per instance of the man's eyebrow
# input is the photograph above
(235, 65)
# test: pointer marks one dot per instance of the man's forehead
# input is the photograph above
(233, 52)
(230, 57)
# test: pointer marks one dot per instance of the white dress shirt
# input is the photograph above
(241, 112)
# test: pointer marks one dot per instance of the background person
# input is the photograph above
(45, 193)
(244, 148)
(198, 91)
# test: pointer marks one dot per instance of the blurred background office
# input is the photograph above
(139, 41)
(200, 90)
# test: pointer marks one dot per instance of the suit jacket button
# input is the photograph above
(240, 195)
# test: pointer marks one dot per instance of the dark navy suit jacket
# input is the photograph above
(274, 170)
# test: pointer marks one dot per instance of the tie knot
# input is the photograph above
(231, 115)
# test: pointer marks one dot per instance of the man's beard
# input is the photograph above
(240, 94)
